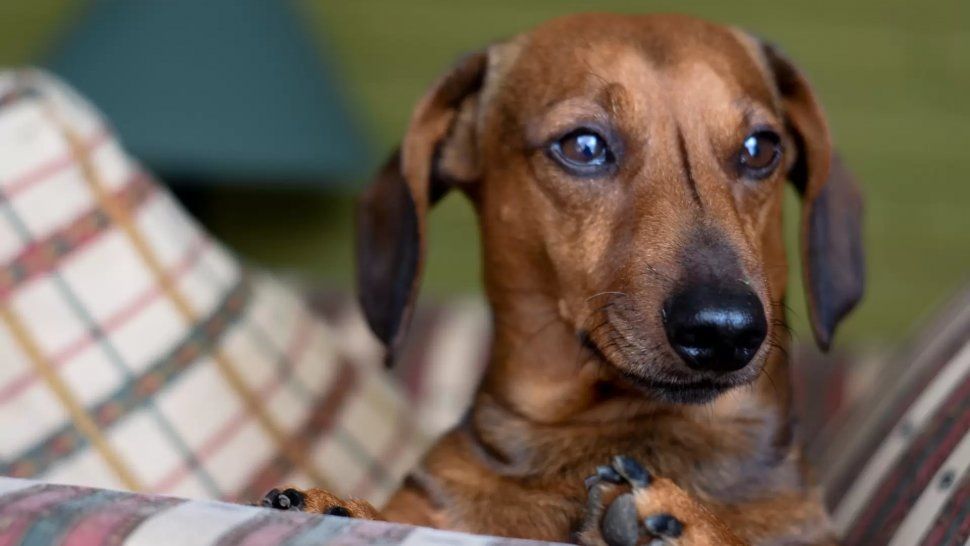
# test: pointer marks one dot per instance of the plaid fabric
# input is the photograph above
(136, 353)
(441, 361)
(32, 513)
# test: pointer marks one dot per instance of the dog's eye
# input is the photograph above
(582, 151)
(759, 153)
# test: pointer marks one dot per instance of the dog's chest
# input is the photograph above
(728, 460)
(728, 466)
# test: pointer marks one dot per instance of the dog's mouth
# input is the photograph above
(675, 392)
(682, 390)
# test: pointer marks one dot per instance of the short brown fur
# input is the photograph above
(577, 270)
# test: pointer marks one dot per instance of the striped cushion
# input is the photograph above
(138, 354)
(897, 465)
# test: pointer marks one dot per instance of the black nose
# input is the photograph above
(715, 327)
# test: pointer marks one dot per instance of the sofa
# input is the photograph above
(152, 385)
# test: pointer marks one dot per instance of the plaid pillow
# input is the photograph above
(136, 353)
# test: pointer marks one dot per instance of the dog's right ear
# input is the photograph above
(439, 150)
(833, 259)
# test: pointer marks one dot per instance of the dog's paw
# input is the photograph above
(318, 501)
(626, 506)
(612, 516)
(287, 499)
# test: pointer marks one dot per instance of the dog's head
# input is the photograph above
(629, 170)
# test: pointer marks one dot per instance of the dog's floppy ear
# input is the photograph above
(833, 263)
(438, 151)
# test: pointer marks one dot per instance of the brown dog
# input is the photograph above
(628, 175)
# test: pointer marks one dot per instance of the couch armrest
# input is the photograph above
(60, 515)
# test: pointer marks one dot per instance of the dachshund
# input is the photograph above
(628, 175)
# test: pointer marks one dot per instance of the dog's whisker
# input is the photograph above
(764, 372)
(655, 272)
(607, 293)
(784, 306)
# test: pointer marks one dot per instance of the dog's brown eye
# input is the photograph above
(584, 148)
(582, 152)
(759, 153)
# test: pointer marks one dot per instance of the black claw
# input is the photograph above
(269, 497)
(664, 525)
(620, 526)
(290, 499)
(608, 474)
(632, 471)
(603, 474)
(294, 499)
(338, 511)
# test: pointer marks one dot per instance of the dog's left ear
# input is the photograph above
(833, 262)
(438, 151)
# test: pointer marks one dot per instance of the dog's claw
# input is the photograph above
(288, 499)
(631, 470)
(664, 525)
(609, 474)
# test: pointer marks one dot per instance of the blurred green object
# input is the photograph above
(892, 74)
(215, 91)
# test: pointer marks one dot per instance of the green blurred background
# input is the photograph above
(894, 76)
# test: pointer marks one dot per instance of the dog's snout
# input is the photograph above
(715, 328)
